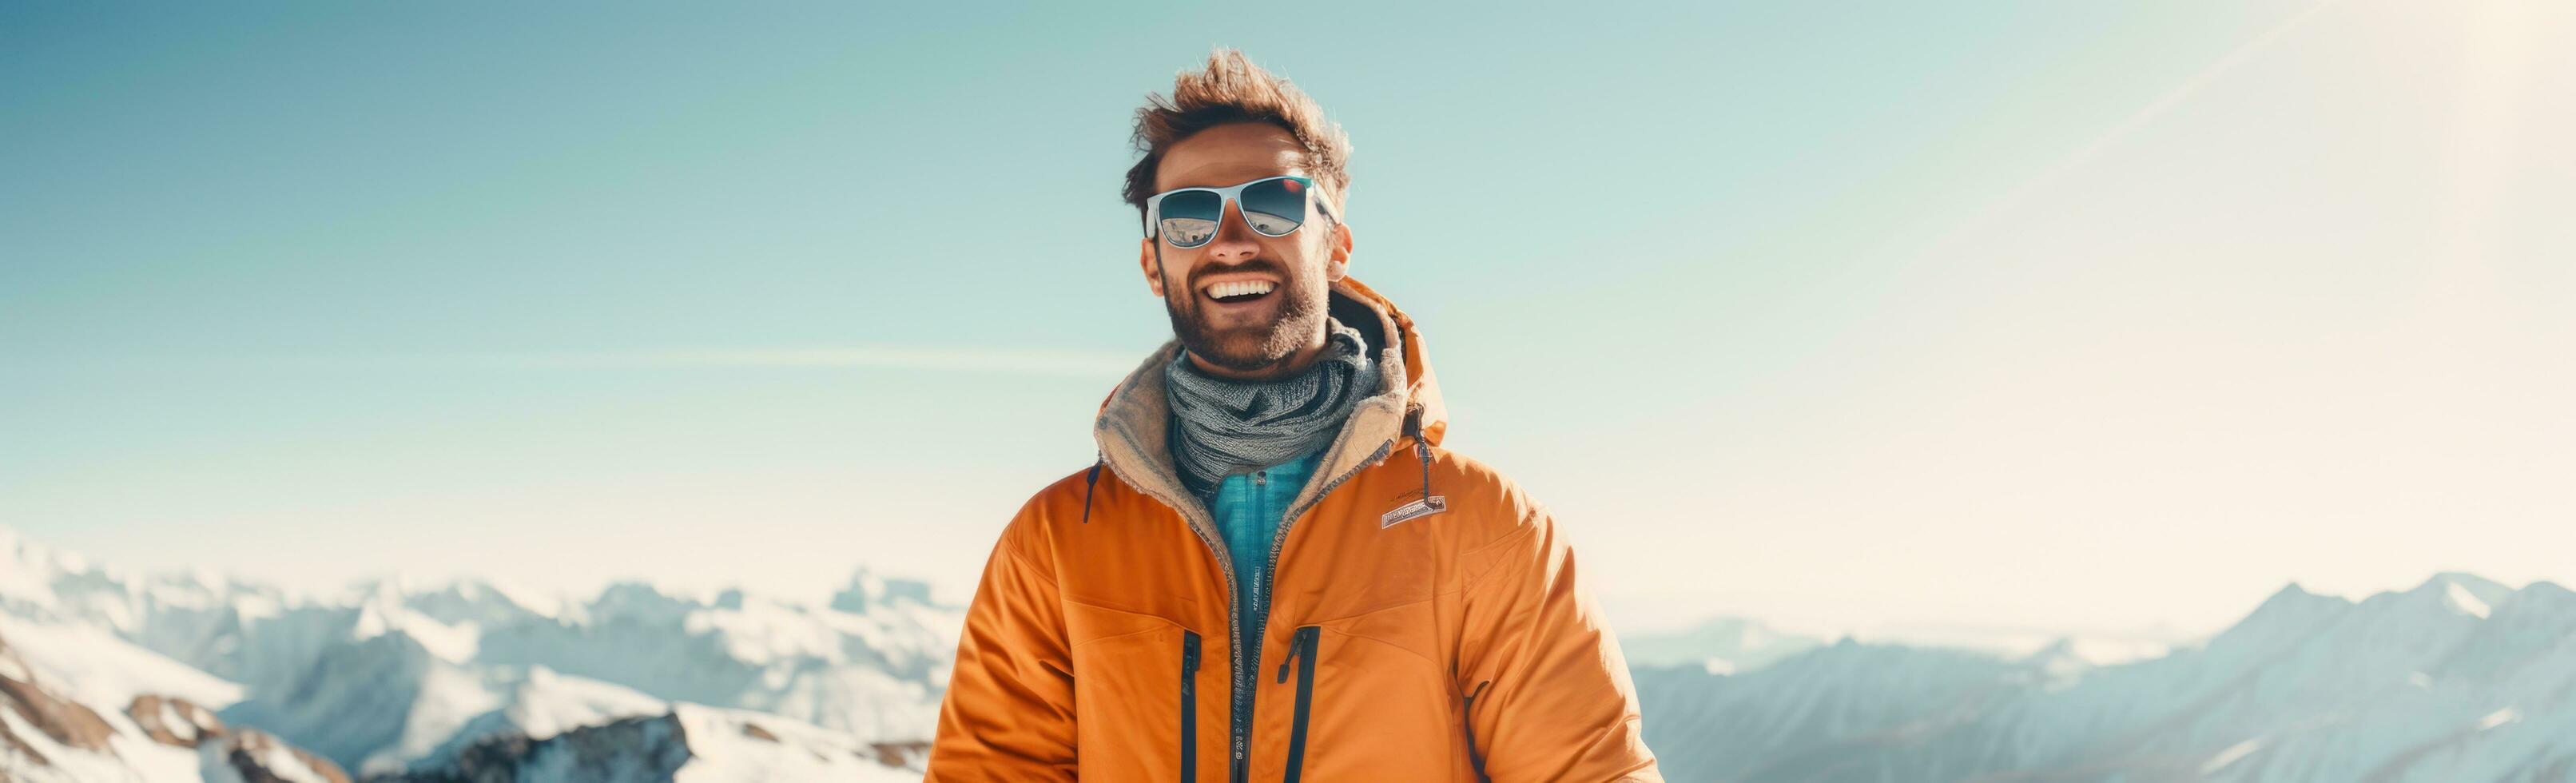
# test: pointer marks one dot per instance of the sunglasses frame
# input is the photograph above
(1233, 194)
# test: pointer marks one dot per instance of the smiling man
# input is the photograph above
(1279, 574)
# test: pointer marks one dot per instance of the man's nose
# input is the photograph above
(1235, 243)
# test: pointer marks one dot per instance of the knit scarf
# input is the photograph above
(1221, 427)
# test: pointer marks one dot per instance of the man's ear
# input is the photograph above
(1339, 266)
(1153, 276)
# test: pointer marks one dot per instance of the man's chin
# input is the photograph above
(1240, 342)
(1241, 350)
(1245, 361)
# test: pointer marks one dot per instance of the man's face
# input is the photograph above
(1245, 336)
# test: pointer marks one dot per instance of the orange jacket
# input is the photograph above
(1427, 622)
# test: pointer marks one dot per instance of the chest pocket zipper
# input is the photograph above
(1301, 651)
(1189, 706)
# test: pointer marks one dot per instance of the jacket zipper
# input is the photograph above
(1301, 650)
(1278, 541)
(1242, 734)
(1189, 706)
(1249, 673)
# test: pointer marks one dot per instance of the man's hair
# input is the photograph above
(1231, 89)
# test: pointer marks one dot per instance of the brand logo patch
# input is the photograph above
(1416, 509)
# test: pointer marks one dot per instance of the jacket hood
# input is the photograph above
(1135, 417)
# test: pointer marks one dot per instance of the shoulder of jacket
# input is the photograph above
(1491, 505)
(1069, 487)
(1059, 502)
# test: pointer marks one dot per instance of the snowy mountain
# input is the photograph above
(406, 676)
(1721, 645)
(2457, 679)
(112, 676)
(72, 734)
(689, 743)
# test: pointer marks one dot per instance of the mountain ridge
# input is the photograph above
(400, 673)
(2456, 677)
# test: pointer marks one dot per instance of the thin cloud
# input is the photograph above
(931, 359)
(956, 359)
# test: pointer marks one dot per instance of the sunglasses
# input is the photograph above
(1273, 207)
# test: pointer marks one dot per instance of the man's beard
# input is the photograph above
(1254, 347)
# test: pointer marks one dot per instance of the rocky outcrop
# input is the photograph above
(647, 748)
(70, 728)
(256, 757)
(66, 722)
(365, 676)
(901, 754)
(712, 744)
(174, 721)
(11, 747)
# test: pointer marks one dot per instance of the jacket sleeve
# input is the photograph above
(1008, 713)
(1551, 698)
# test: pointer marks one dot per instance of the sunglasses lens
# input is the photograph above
(1189, 217)
(1276, 207)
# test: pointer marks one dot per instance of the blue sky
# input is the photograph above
(2099, 315)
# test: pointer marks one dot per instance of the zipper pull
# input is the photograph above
(1260, 477)
(1296, 644)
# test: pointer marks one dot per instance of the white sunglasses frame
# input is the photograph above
(1234, 194)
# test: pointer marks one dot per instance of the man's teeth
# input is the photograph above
(1248, 287)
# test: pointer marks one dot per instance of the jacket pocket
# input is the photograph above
(1189, 706)
(1301, 651)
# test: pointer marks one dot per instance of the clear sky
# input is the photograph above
(2072, 315)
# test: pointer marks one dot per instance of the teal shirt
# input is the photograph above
(1248, 508)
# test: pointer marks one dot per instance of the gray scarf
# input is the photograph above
(1221, 427)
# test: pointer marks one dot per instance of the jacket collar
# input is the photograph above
(1134, 420)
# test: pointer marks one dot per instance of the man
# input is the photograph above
(1279, 575)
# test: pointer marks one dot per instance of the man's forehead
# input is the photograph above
(1225, 158)
(1221, 177)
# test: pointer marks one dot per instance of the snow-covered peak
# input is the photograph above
(545, 703)
(386, 614)
(1733, 644)
(861, 591)
(2538, 599)
(2523, 627)
(907, 590)
(2466, 594)
(459, 600)
(27, 573)
(2059, 664)
(641, 602)
(2454, 679)
(384, 672)
(2294, 598)
(2291, 613)
(740, 746)
(865, 591)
